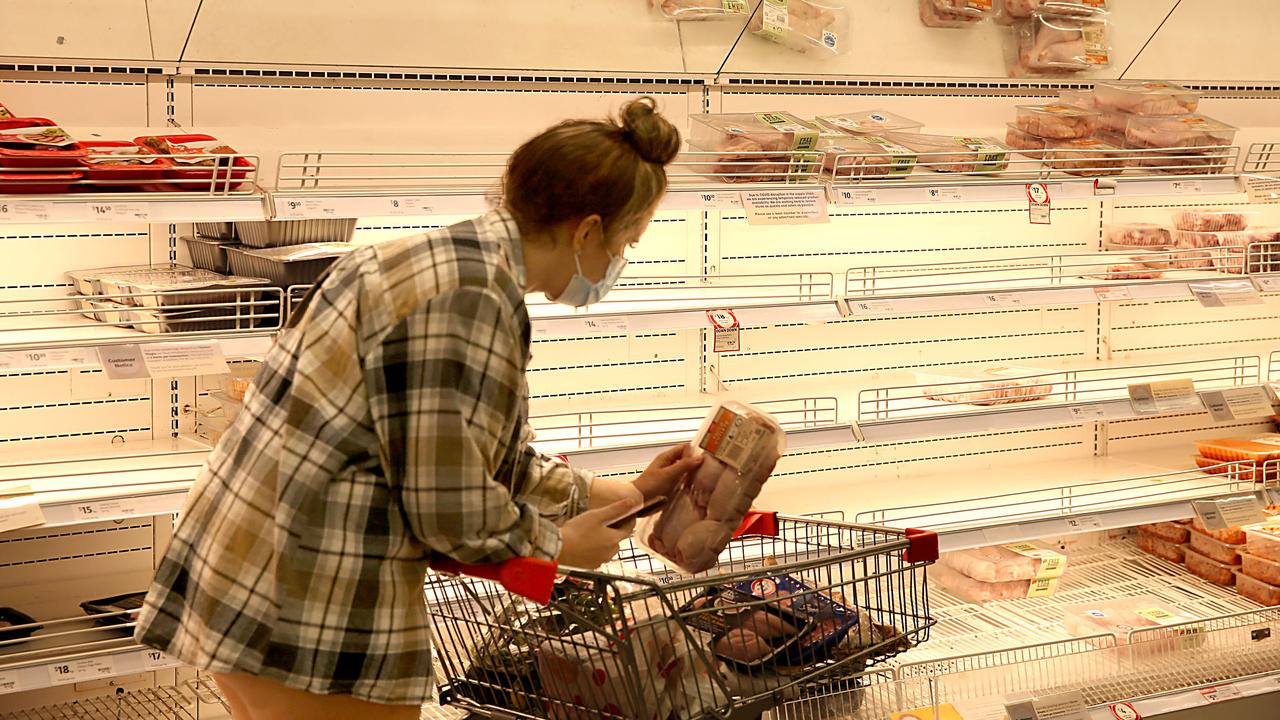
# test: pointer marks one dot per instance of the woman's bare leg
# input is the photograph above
(264, 699)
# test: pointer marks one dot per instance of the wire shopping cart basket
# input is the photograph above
(796, 605)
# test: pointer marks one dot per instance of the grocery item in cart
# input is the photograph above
(1009, 11)
(12, 621)
(1161, 547)
(1215, 549)
(761, 147)
(1209, 569)
(1264, 540)
(1145, 98)
(1053, 43)
(1030, 145)
(945, 153)
(975, 591)
(868, 122)
(205, 167)
(1210, 220)
(989, 386)
(1259, 591)
(803, 25)
(1140, 235)
(999, 563)
(953, 13)
(1123, 615)
(742, 445)
(1168, 531)
(850, 156)
(704, 9)
(287, 266)
(1057, 121)
(1086, 157)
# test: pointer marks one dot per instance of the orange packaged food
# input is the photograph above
(1254, 448)
(1210, 569)
(1264, 540)
(1215, 549)
(1173, 552)
(1257, 590)
(1231, 535)
(1260, 568)
(1167, 531)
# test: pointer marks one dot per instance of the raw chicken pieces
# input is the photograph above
(1059, 122)
(953, 13)
(803, 25)
(703, 9)
(1055, 44)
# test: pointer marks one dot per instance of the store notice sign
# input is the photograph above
(1038, 202)
(1062, 706)
(1164, 397)
(786, 207)
(1264, 190)
(165, 360)
(1223, 513)
(19, 509)
(1225, 293)
(1238, 403)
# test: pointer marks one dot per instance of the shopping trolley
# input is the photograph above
(526, 638)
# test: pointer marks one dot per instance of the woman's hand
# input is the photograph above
(667, 470)
(587, 540)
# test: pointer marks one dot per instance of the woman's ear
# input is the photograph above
(585, 229)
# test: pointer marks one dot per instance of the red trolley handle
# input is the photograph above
(531, 578)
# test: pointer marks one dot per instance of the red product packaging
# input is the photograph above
(38, 143)
(122, 164)
(4, 113)
(47, 183)
(195, 173)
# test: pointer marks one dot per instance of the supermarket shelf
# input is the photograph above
(936, 407)
(107, 482)
(71, 650)
(1034, 500)
(132, 207)
(640, 454)
(164, 702)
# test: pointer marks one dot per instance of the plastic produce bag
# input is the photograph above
(804, 25)
(1052, 43)
(742, 445)
(704, 9)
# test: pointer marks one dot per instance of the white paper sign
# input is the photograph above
(786, 207)
(1231, 512)
(1225, 293)
(1238, 403)
(10, 682)
(184, 359)
(1219, 693)
(1064, 706)
(1038, 203)
(1165, 396)
(73, 671)
(1267, 284)
(19, 511)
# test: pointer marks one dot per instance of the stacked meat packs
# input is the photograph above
(999, 572)
(742, 445)
(944, 153)
(1062, 134)
(761, 147)
(1200, 239)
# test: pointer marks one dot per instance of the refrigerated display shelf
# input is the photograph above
(132, 207)
(163, 702)
(73, 650)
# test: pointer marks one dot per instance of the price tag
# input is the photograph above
(1125, 711)
(606, 324)
(156, 660)
(1003, 300)
(727, 331)
(1087, 412)
(120, 211)
(720, 200)
(1267, 284)
(10, 682)
(1112, 293)
(868, 307)
(19, 509)
(121, 507)
(1219, 693)
(1082, 523)
(1038, 204)
(1225, 293)
(944, 194)
(60, 358)
(1224, 513)
(1238, 403)
(1185, 187)
(408, 206)
(73, 671)
(858, 196)
(1165, 396)
(24, 212)
(308, 208)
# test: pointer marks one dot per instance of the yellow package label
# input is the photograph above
(1042, 587)
(1155, 614)
(733, 438)
(1095, 44)
(776, 18)
(1052, 564)
(734, 7)
(1189, 636)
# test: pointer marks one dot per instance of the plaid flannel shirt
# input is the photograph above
(389, 423)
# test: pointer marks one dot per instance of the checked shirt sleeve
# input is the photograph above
(555, 489)
(444, 384)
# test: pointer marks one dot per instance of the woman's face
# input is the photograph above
(589, 249)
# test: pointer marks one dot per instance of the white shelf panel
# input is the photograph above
(941, 189)
(69, 341)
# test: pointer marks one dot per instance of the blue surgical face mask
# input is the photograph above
(581, 292)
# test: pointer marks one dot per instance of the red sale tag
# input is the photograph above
(1038, 204)
(728, 336)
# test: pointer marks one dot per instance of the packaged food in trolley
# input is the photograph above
(759, 147)
(742, 445)
(954, 13)
(855, 156)
(944, 153)
(704, 9)
(808, 26)
(868, 122)
(1145, 98)
(1053, 43)
(988, 386)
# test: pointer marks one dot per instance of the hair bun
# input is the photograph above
(652, 136)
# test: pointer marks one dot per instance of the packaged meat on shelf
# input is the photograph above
(122, 164)
(1256, 449)
(820, 26)
(990, 386)
(954, 13)
(279, 233)
(1207, 568)
(741, 445)
(868, 122)
(1181, 131)
(760, 147)
(1009, 11)
(1162, 547)
(1215, 549)
(704, 9)
(204, 166)
(1168, 531)
(1057, 121)
(1024, 142)
(1000, 572)
(1077, 98)
(286, 266)
(1053, 44)
(1211, 219)
(1263, 540)
(944, 153)
(1121, 616)
(1259, 591)
(856, 156)
(1260, 568)
(1086, 157)
(975, 591)
(1134, 97)
(1136, 235)
(209, 253)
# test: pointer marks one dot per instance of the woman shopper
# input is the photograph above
(389, 424)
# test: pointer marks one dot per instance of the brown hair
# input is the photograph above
(611, 168)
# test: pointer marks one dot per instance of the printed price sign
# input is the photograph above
(24, 212)
(1038, 204)
(944, 194)
(1087, 412)
(1219, 693)
(1003, 300)
(1112, 293)
(308, 208)
(1185, 187)
(867, 307)
(408, 206)
(59, 358)
(1125, 711)
(1082, 523)
(1226, 293)
(1267, 284)
(10, 682)
(1238, 403)
(727, 331)
(120, 211)
(72, 671)
(720, 200)
(156, 660)
(606, 325)
(858, 196)
(1164, 397)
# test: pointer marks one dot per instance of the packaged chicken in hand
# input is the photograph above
(760, 147)
(804, 25)
(705, 9)
(742, 445)
(1054, 43)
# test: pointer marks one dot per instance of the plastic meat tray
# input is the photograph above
(64, 158)
(10, 617)
(198, 178)
(287, 266)
(280, 233)
(46, 183)
(209, 254)
(114, 173)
